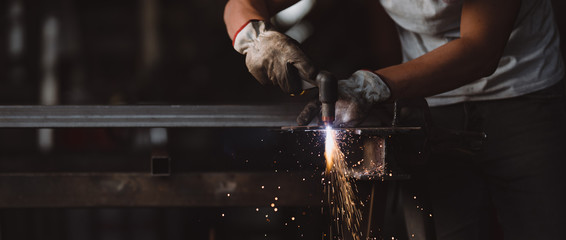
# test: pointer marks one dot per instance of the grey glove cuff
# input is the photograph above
(246, 37)
(365, 86)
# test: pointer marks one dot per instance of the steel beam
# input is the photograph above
(148, 116)
(18, 190)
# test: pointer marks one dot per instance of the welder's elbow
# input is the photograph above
(489, 70)
(487, 67)
(483, 58)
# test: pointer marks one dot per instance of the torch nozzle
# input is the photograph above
(327, 95)
(328, 112)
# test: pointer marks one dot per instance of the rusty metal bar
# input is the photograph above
(63, 116)
(228, 189)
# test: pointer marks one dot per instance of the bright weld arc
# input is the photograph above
(342, 193)
(330, 144)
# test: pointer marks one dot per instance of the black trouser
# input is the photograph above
(519, 170)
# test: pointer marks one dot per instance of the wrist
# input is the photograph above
(239, 30)
(369, 87)
(247, 34)
(387, 93)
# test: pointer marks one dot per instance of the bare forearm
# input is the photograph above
(448, 67)
(238, 12)
(484, 30)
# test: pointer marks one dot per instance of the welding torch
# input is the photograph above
(327, 95)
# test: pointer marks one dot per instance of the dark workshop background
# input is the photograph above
(164, 52)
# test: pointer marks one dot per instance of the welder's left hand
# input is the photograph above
(273, 57)
(356, 96)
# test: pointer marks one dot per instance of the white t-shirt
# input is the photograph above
(531, 60)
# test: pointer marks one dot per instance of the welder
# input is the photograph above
(491, 66)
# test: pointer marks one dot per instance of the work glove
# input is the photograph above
(273, 57)
(356, 96)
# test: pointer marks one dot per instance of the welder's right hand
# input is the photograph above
(273, 57)
(356, 96)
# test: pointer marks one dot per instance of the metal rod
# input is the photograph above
(149, 116)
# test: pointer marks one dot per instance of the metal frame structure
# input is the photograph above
(95, 189)
(189, 189)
